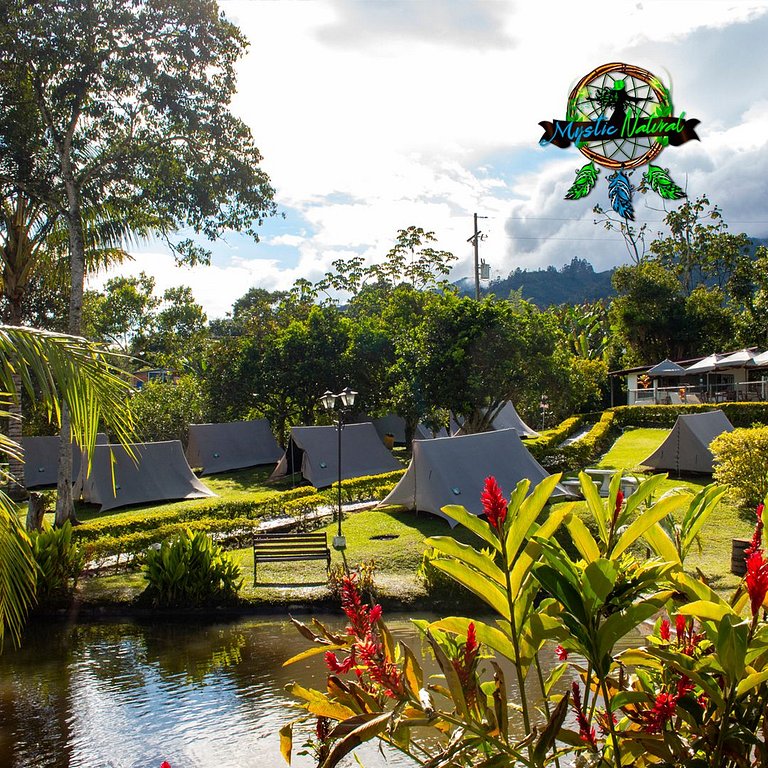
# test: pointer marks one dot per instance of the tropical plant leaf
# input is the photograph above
(620, 194)
(658, 179)
(586, 178)
(286, 742)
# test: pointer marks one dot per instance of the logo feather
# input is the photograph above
(620, 193)
(659, 180)
(586, 178)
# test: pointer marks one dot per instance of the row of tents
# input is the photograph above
(443, 470)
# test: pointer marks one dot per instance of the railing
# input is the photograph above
(689, 394)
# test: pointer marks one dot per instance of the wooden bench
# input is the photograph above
(285, 547)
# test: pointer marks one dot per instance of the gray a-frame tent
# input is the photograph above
(394, 425)
(41, 459)
(313, 451)
(508, 418)
(232, 445)
(159, 473)
(452, 470)
(686, 448)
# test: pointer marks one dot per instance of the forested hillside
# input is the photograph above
(574, 283)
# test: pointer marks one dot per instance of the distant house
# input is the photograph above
(741, 375)
(149, 375)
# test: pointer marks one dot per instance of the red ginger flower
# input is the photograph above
(494, 503)
(757, 580)
(465, 662)
(361, 617)
(664, 629)
(588, 735)
(165, 764)
(757, 536)
(561, 653)
(663, 709)
(680, 624)
(617, 508)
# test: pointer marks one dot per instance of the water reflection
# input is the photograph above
(131, 695)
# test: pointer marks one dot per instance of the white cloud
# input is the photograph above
(373, 116)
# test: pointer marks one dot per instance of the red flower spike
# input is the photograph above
(561, 653)
(664, 630)
(617, 509)
(757, 536)
(757, 580)
(662, 712)
(165, 764)
(587, 734)
(680, 622)
(494, 503)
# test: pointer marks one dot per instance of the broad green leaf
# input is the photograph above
(750, 682)
(583, 540)
(319, 704)
(526, 516)
(355, 738)
(661, 544)
(549, 735)
(594, 503)
(553, 677)
(559, 587)
(617, 625)
(312, 652)
(532, 550)
(412, 672)
(473, 523)
(490, 636)
(698, 513)
(732, 640)
(447, 545)
(451, 676)
(705, 609)
(482, 586)
(598, 581)
(643, 522)
(643, 492)
(623, 698)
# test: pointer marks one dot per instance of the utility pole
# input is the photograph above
(475, 240)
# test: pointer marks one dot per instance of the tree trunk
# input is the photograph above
(35, 511)
(65, 509)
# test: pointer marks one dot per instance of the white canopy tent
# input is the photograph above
(313, 451)
(453, 470)
(232, 445)
(159, 473)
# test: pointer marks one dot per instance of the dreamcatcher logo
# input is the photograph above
(621, 117)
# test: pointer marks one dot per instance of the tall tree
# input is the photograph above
(134, 96)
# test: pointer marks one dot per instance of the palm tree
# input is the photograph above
(63, 372)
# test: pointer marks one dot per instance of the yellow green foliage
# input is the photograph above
(741, 462)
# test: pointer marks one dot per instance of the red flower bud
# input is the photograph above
(664, 629)
(757, 580)
(494, 503)
(561, 653)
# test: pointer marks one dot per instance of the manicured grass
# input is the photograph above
(632, 447)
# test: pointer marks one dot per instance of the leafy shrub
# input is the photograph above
(59, 561)
(164, 410)
(190, 571)
(741, 461)
(364, 578)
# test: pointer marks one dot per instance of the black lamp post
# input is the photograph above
(339, 406)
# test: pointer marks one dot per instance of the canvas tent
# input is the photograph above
(452, 470)
(313, 451)
(160, 473)
(686, 448)
(41, 459)
(392, 424)
(231, 445)
(508, 418)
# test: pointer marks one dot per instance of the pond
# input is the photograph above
(130, 695)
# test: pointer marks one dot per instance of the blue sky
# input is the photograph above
(374, 115)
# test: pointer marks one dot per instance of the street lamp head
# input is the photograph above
(347, 396)
(327, 400)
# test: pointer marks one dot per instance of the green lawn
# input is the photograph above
(632, 447)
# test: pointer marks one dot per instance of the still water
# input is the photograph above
(131, 695)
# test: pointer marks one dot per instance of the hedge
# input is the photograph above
(119, 535)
